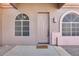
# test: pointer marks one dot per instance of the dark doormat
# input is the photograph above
(42, 46)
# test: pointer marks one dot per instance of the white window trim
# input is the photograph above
(61, 19)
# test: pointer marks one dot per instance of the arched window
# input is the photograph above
(70, 24)
(22, 25)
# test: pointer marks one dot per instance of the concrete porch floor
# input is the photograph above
(32, 51)
(72, 49)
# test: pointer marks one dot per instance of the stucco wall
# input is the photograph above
(8, 23)
(64, 40)
(0, 26)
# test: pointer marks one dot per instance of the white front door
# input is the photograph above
(42, 27)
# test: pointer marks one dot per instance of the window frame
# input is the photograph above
(61, 21)
(22, 20)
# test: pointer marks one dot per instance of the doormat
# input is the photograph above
(42, 46)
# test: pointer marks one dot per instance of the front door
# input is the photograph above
(42, 27)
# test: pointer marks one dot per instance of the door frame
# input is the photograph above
(48, 30)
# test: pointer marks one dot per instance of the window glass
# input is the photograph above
(22, 25)
(70, 25)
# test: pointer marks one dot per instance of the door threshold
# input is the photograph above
(43, 43)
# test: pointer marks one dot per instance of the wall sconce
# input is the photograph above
(54, 21)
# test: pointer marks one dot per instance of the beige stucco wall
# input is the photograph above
(0, 26)
(8, 23)
(64, 40)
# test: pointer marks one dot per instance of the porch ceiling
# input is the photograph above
(13, 5)
(59, 5)
(8, 5)
(5, 5)
(71, 5)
